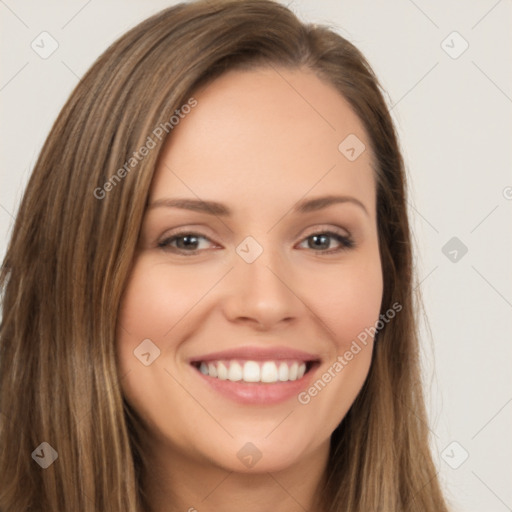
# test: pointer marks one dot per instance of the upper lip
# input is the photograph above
(255, 353)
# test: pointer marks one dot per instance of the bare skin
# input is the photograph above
(256, 145)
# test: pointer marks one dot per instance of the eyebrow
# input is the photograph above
(215, 208)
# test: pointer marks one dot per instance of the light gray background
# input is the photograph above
(453, 117)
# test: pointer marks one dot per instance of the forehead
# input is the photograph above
(266, 135)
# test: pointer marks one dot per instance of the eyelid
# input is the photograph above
(181, 233)
(317, 228)
(188, 229)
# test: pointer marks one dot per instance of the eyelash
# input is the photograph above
(345, 241)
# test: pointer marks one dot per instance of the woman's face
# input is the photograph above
(238, 330)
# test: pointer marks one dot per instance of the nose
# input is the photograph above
(262, 293)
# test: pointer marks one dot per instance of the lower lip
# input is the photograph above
(257, 393)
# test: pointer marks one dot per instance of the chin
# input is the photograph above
(259, 455)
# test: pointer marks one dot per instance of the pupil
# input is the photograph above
(187, 242)
(325, 244)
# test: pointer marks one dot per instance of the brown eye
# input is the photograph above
(321, 241)
(183, 242)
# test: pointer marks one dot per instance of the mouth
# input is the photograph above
(251, 371)
(255, 375)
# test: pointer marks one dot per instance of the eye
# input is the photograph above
(322, 240)
(186, 242)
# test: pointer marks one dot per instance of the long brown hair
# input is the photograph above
(73, 243)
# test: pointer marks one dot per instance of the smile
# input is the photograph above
(254, 371)
(255, 375)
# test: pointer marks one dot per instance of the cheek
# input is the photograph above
(150, 305)
(349, 300)
(154, 303)
(349, 305)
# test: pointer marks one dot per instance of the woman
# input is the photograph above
(207, 294)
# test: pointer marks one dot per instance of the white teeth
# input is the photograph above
(283, 372)
(235, 372)
(294, 368)
(253, 371)
(222, 372)
(212, 370)
(269, 372)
